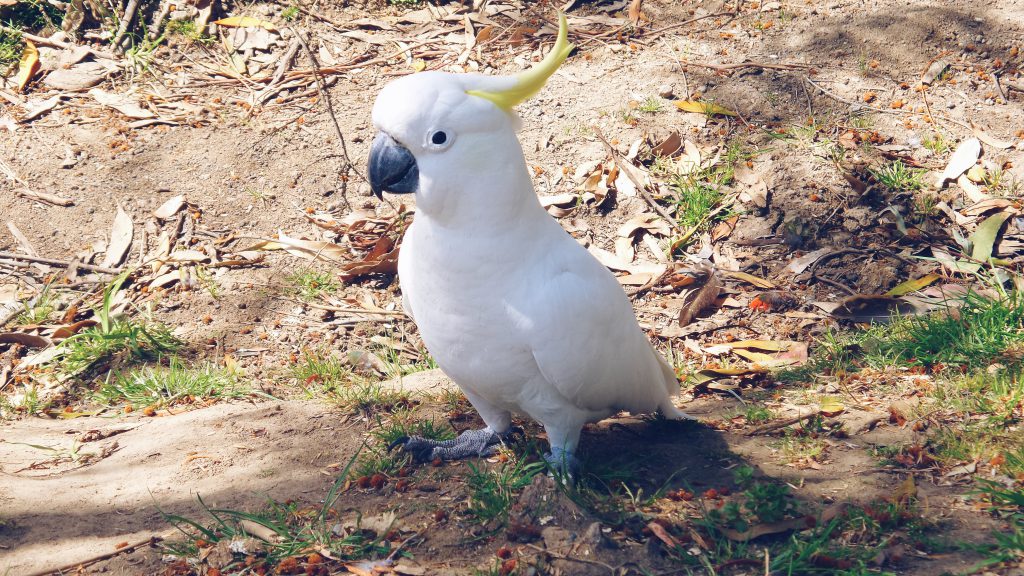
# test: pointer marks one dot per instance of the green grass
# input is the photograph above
(129, 338)
(11, 48)
(290, 13)
(310, 285)
(40, 311)
(694, 201)
(188, 30)
(1007, 504)
(493, 491)
(651, 105)
(937, 144)
(320, 373)
(899, 177)
(378, 460)
(173, 384)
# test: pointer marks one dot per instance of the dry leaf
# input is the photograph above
(120, 238)
(913, 285)
(669, 146)
(698, 299)
(72, 329)
(245, 22)
(382, 259)
(989, 140)
(703, 108)
(634, 13)
(170, 207)
(724, 228)
(122, 103)
(29, 340)
(755, 280)
(965, 156)
(28, 65)
(831, 407)
(309, 249)
(800, 264)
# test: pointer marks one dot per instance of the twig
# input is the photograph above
(999, 87)
(782, 423)
(1014, 86)
(829, 256)
(151, 541)
(57, 43)
(609, 567)
(56, 262)
(22, 240)
(858, 105)
(275, 83)
(126, 21)
(31, 194)
(730, 68)
(619, 161)
(660, 31)
(349, 165)
(158, 19)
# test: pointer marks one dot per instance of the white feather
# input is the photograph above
(510, 306)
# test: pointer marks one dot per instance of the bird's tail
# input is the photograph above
(666, 407)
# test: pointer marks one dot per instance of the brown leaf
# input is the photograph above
(120, 238)
(659, 531)
(29, 340)
(765, 529)
(634, 12)
(72, 329)
(724, 229)
(700, 298)
(383, 259)
(669, 146)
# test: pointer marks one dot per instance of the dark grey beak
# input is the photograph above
(392, 167)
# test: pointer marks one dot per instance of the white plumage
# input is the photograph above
(511, 307)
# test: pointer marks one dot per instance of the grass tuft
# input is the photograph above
(171, 385)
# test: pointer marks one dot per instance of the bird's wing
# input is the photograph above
(585, 337)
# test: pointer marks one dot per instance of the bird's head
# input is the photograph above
(441, 134)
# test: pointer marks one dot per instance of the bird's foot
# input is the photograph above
(484, 442)
(563, 463)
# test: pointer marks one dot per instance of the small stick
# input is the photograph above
(318, 76)
(151, 541)
(126, 21)
(661, 31)
(782, 423)
(25, 192)
(639, 185)
(276, 85)
(22, 240)
(55, 262)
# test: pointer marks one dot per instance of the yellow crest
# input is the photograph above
(530, 82)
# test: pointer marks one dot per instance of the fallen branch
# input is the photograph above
(56, 262)
(66, 569)
(782, 423)
(640, 187)
(730, 68)
(126, 20)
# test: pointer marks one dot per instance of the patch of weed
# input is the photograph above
(190, 31)
(1007, 504)
(290, 13)
(173, 384)
(899, 177)
(493, 490)
(651, 105)
(937, 144)
(310, 285)
(39, 311)
(11, 48)
(131, 338)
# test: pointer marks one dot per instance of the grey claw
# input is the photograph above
(400, 441)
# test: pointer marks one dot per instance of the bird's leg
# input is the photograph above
(563, 440)
(483, 442)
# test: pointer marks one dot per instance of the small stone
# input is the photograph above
(665, 91)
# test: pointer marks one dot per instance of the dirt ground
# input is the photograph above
(250, 172)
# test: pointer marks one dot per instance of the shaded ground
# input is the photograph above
(249, 172)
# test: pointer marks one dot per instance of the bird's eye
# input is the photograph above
(438, 138)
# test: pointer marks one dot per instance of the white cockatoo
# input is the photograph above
(509, 305)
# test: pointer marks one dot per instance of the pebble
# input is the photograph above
(665, 91)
